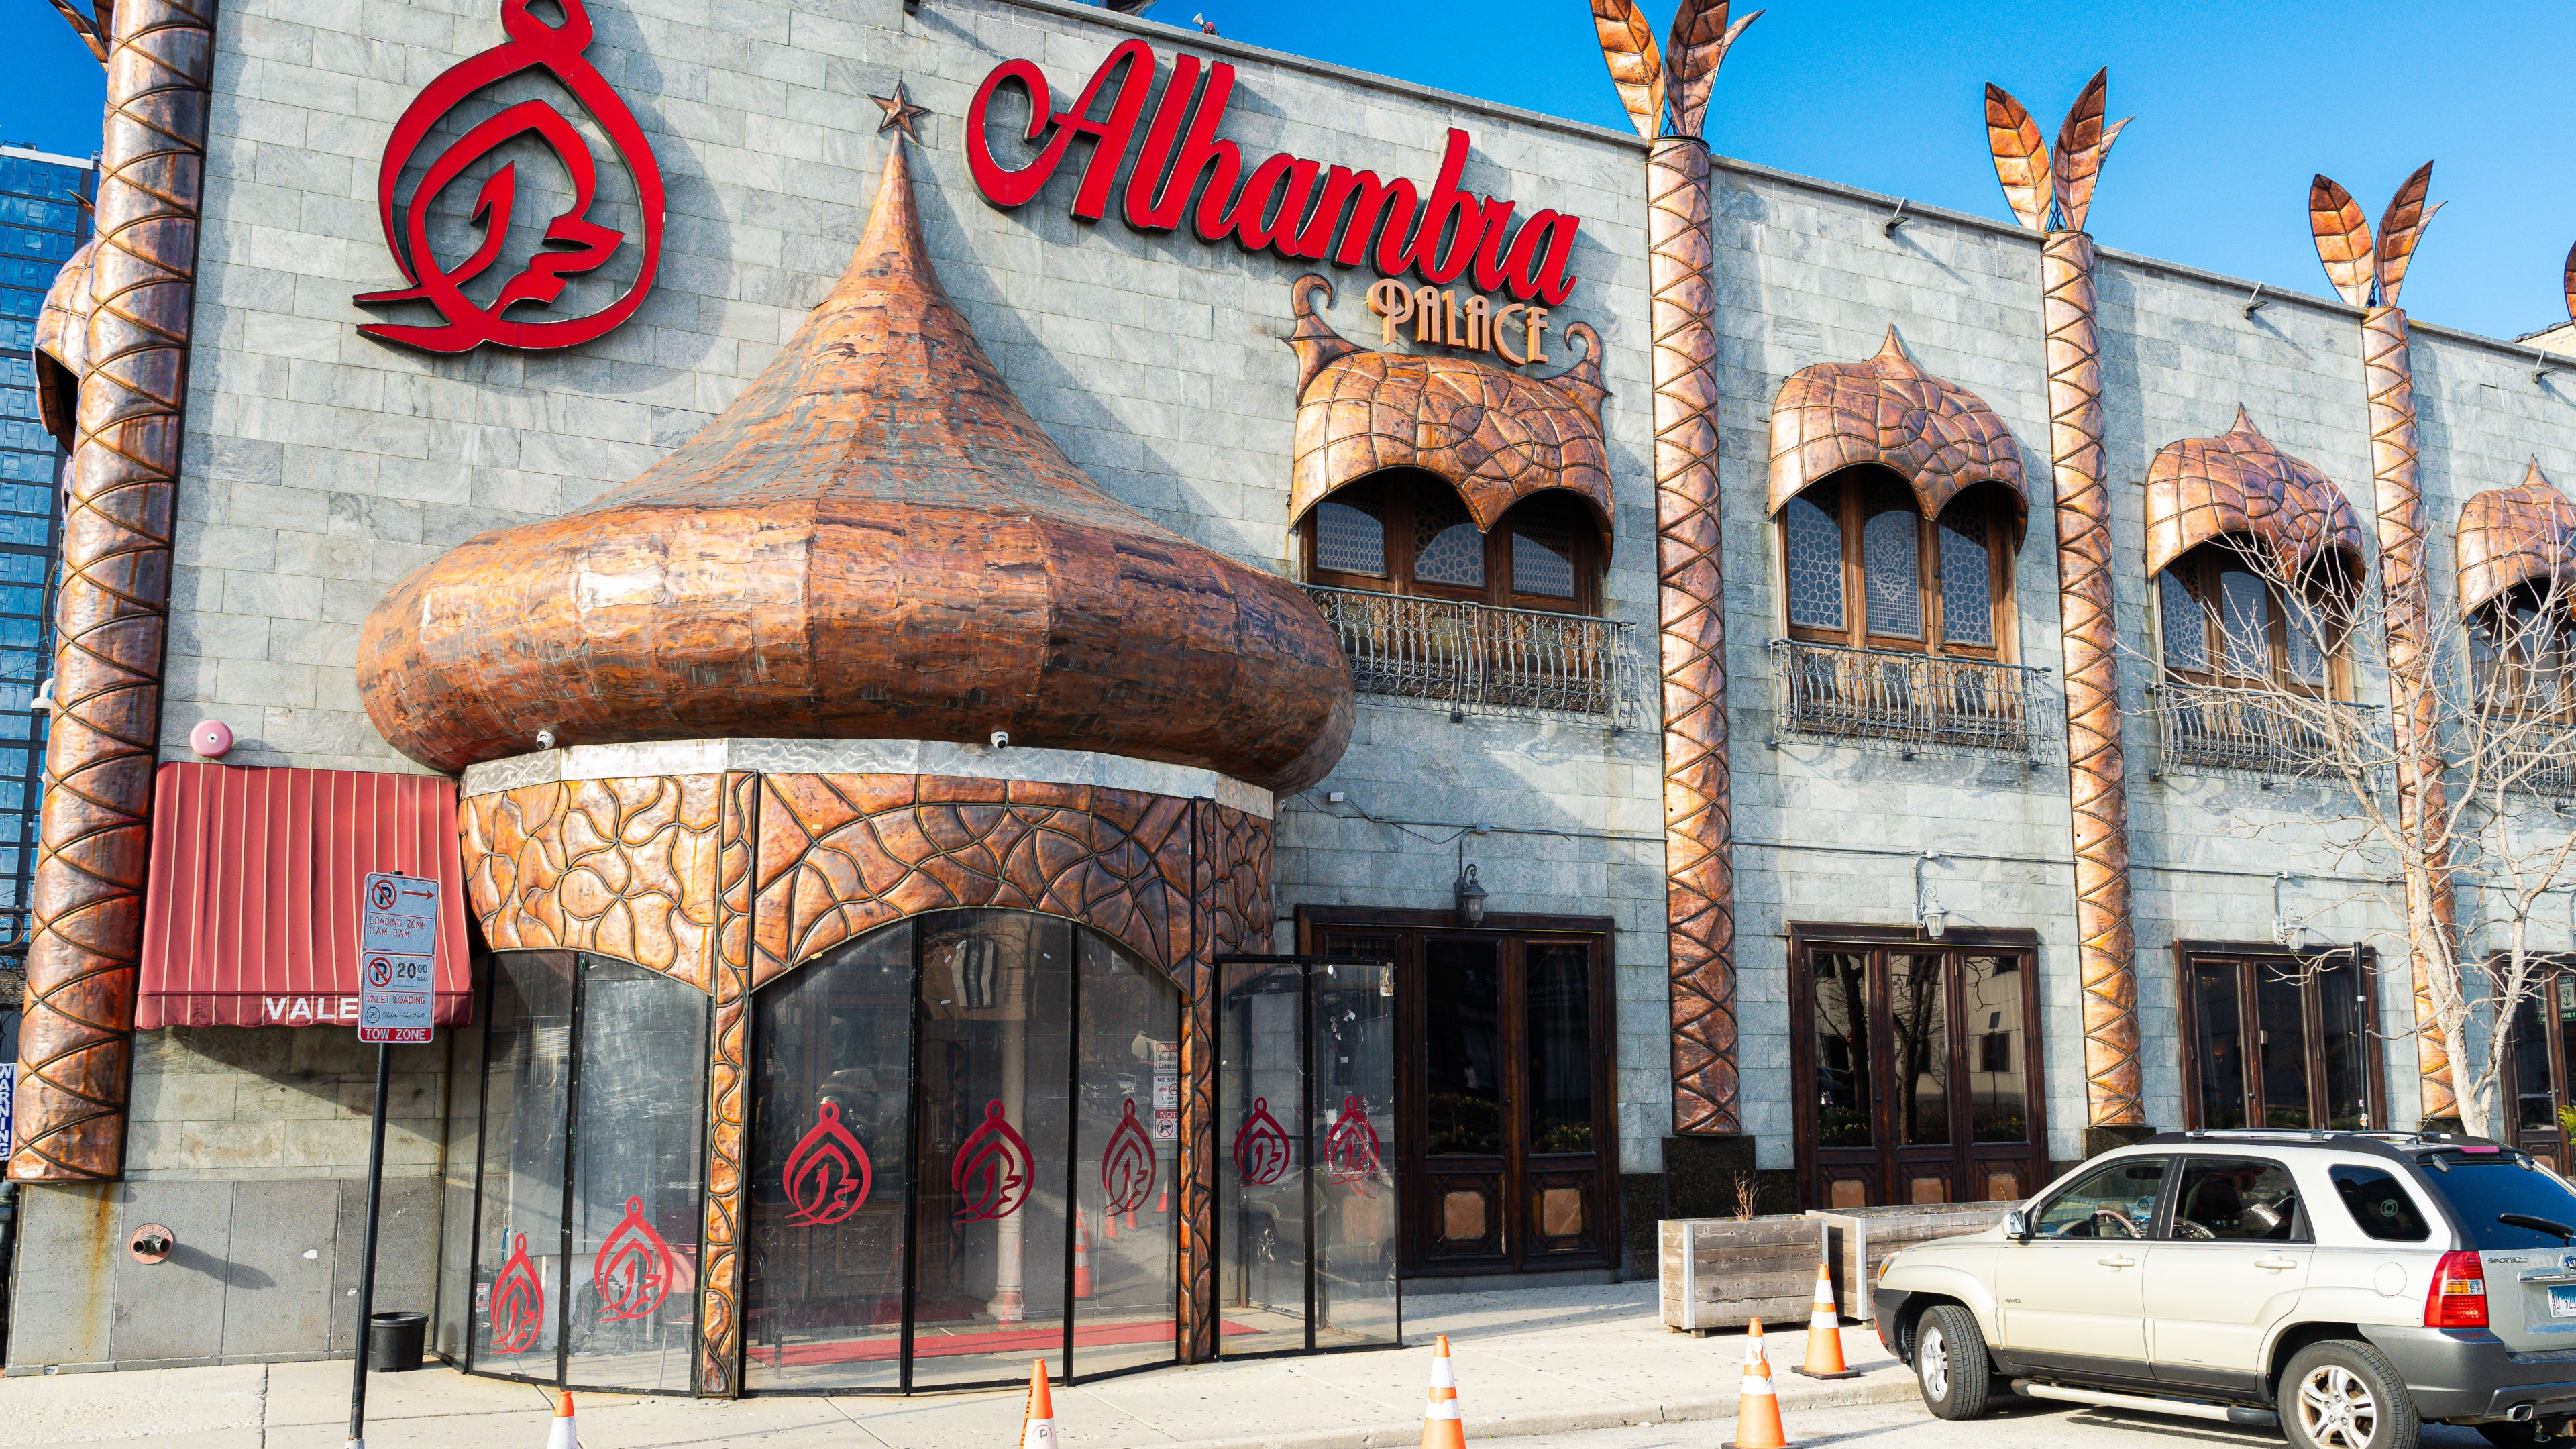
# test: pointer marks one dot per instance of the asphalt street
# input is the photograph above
(2015, 1424)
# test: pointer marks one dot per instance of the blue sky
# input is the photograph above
(2238, 104)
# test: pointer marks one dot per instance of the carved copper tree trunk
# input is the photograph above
(2106, 946)
(2053, 194)
(1699, 885)
(728, 1084)
(76, 1043)
(2389, 375)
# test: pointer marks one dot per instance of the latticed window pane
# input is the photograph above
(2245, 619)
(1967, 579)
(1350, 535)
(1447, 549)
(1892, 572)
(1815, 566)
(1543, 562)
(2186, 628)
(2306, 630)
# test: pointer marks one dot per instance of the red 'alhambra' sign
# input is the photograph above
(573, 242)
(1287, 204)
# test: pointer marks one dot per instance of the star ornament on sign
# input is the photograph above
(900, 113)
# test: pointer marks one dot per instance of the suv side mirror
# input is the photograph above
(2016, 1226)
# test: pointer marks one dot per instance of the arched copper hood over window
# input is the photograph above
(2201, 488)
(2514, 535)
(1938, 436)
(875, 541)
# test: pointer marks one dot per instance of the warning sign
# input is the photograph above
(1167, 1091)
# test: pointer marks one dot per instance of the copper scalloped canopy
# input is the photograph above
(1496, 436)
(62, 345)
(2199, 489)
(874, 541)
(2511, 536)
(1936, 435)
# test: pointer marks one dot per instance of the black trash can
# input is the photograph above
(394, 1341)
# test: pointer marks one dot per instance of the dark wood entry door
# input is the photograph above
(1921, 1072)
(1503, 1099)
(2540, 1054)
(2276, 1040)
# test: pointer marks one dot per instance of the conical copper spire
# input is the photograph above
(875, 540)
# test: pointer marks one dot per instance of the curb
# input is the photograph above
(1896, 1387)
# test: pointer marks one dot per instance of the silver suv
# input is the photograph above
(2356, 1285)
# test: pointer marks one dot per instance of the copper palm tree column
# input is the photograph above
(2368, 277)
(1699, 843)
(2054, 198)
(111, 613)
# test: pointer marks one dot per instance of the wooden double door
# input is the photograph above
(1506, 1138)
(1919, 1067)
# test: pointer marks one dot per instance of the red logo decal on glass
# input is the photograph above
(634, 1269)
(518, 1303)
(1351, 1147)
(1260, 1147)
(992, 1170)
(572, 245)
(1127, 1163)
(828, 1174)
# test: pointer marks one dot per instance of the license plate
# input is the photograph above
(2562, 1301)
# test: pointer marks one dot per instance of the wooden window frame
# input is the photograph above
(1403, 488)
(2486, 637)
(1967, 1152)
(2549, 969)
(2312, 1018)
(2199, 571)
(1839, 496)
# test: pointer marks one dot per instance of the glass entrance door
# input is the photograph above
(2272, 1040)
(1922, 1081)
(1503, 1101)
(2540, 1067)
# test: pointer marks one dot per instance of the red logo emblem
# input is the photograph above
(518, 1303)
(992, 1170)
(573, 244)
(634, 1269)
(828, 1174)
(1351, 1147)
(1127, 1164)
(1260, 1147)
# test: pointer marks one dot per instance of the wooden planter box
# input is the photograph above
(1857, 1239)
(1721, 1272)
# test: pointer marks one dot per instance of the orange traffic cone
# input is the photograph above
(1037, 1422)
(1131, 1220)
(1108, 1225)
(1825, 1334)
(1757, 1412)
(1081, 1255)
(1163, 1204)
(563, 1435)
(1441, 1426)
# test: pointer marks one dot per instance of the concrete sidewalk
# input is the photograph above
(1531, 1361)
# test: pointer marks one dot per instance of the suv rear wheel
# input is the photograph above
(2344, 1394)
(1950, 1363)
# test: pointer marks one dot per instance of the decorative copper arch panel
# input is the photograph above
(1496, 436)
(2199, 489)
(62, 346)
(2510, 536)
(1938, 436)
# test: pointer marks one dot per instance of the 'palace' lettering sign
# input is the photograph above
(1287, 204)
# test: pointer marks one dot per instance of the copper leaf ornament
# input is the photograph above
(2400, 227)
(2343, 240)
(1700, 39)
(1636, 67)
(2021, 158)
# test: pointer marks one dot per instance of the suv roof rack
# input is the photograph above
(2402, 1145)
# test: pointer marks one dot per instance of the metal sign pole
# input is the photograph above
(367, 1264)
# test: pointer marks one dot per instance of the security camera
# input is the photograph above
(1001, 739)
(545, 739)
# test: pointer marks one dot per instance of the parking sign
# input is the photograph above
(397, 948)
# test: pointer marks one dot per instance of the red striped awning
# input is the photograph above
(250, 915)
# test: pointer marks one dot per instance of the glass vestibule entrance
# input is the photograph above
(1306, 1177)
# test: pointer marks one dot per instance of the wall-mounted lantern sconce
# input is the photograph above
(1895, 218)
(1471, 896)
(1929, 917)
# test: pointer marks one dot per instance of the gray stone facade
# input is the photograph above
(323, 466)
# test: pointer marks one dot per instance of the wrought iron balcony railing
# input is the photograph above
(2260, 731)
(1478, 655)
(1925, 701)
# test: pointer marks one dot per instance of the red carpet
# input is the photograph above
(994, 1340)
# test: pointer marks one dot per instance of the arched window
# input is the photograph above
(2228, 620)
(1866, 569)
(2522, 645)
(1405, 531)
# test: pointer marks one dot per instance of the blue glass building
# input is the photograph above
(42, 221)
